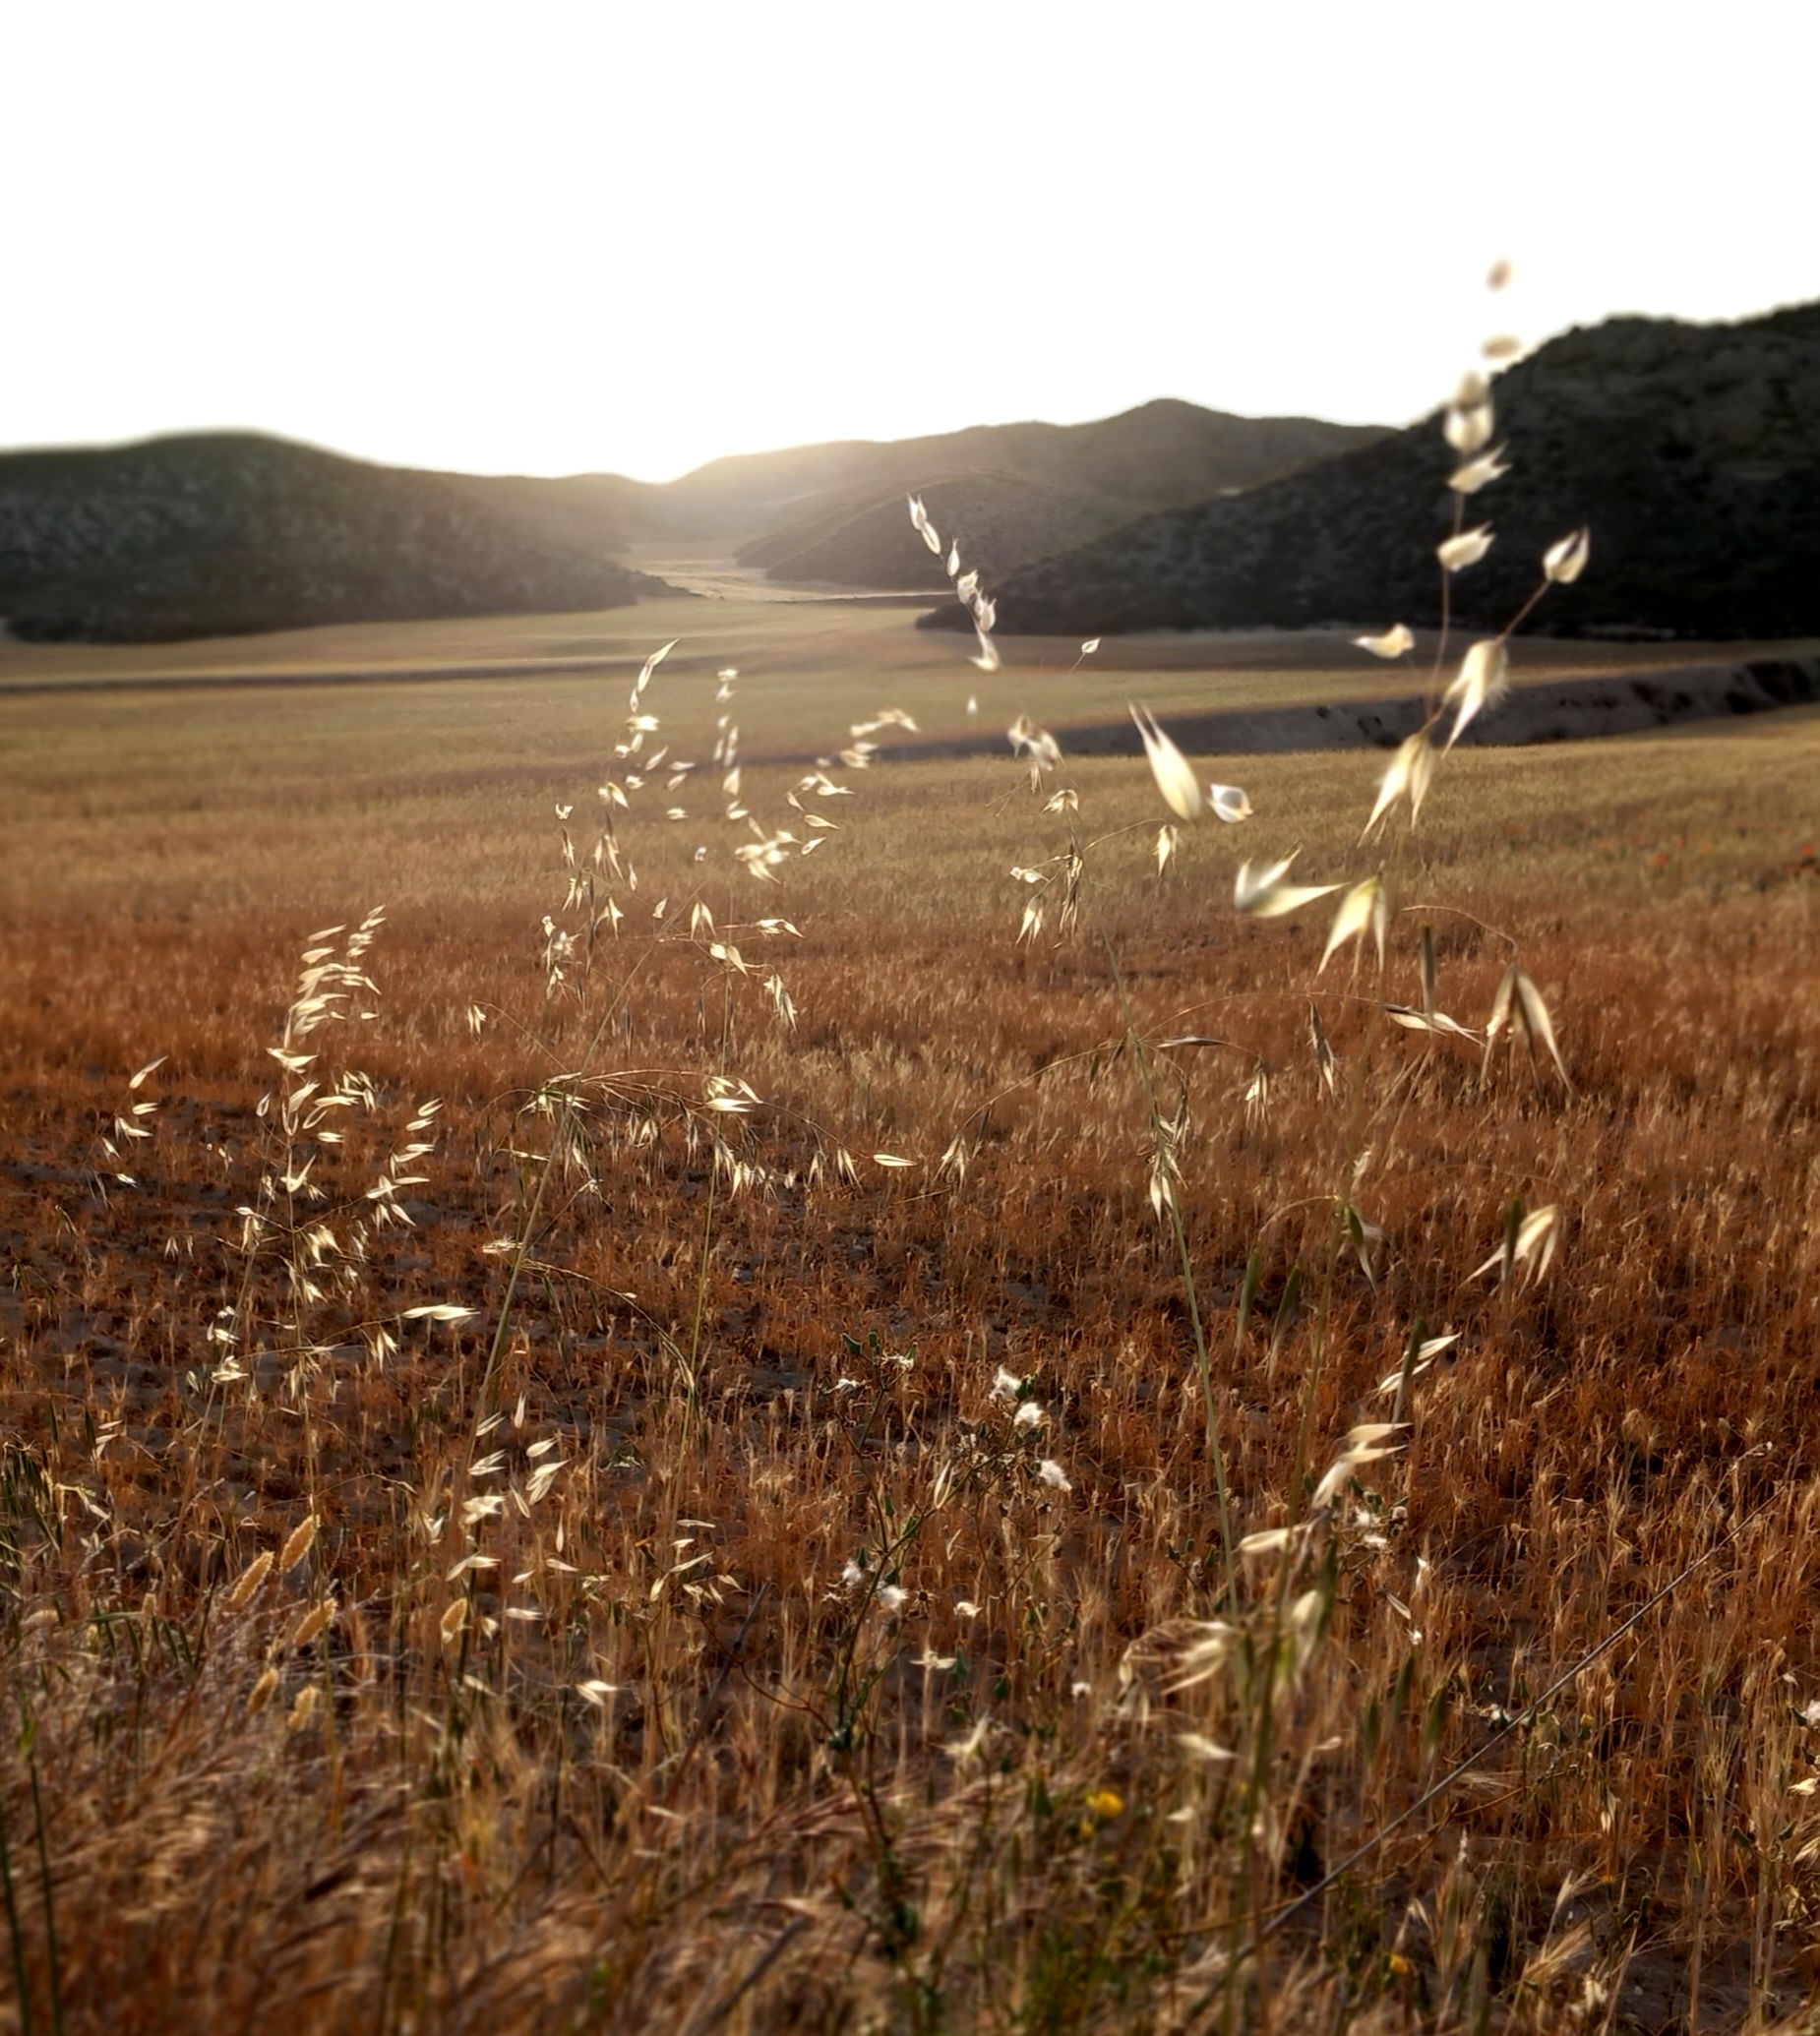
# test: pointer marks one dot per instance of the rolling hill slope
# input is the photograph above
(1159, 455)
(232, 533)
(998, 520)
(1692, 451)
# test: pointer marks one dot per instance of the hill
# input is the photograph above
(1160, 455)
(1000, 522)
(230, 533)
(1691, 451)
(600, 515)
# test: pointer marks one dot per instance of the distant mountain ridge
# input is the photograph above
(1691, 451)
(232, 532)
(228, 533)
(1162, 452)
(1036, 490)
(1160, 455)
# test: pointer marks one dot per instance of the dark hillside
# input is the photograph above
(1693, 452)
(998, 520)
(232, 533)
(1159, 455)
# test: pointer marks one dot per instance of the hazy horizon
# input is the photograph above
(593, 245)
(363, 453)
(602, 472)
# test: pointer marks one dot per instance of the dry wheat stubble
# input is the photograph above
(1665, 898)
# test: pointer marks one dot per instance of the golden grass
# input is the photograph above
(724, 1776)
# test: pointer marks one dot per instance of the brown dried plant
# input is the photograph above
(719, 1526)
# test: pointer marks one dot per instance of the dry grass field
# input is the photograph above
(514, 1518)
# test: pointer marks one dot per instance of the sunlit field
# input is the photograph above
(669, 1444)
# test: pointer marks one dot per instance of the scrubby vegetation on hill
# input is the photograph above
(596, 515)
(1693, 452)
(1160, 453)
(224, 534)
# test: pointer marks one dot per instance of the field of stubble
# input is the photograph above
(617, 1550)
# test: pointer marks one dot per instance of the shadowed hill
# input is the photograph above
(600, 515)
(232, 533)
(786, 512)
(1160, 453)
(1693, 452)
(998, 520)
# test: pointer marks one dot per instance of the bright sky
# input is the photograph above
(553, 237)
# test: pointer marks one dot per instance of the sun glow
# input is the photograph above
(600, 240)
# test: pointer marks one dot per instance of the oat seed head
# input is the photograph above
(1263, 894)
(1489, 466)
(1457, 553)
(1364, 905)
(1467, 427)
(1397, 641)
(1483, 676)
(1563, 562)
(1175, 776)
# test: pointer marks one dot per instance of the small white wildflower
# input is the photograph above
(891, 1596)
(1052, 1474)
(1029, 1415)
